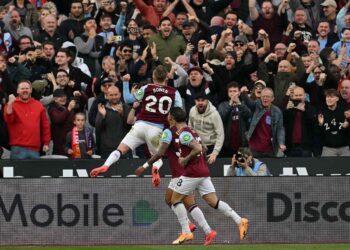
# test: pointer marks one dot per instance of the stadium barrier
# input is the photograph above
(331, 166)
(73, 211)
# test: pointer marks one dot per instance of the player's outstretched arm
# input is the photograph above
(128, 97)
(161, 151)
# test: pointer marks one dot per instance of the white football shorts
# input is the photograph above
(186, 185)
(141, 133)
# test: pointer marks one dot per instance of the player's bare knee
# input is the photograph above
(177, 203)
(168, 201)
(189, 201)
(123, 148)
(176, 199)
(212, 200)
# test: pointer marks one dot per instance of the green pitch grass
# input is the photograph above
(184, 247)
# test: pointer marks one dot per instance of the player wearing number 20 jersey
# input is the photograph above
(156, 102)
(156, 99)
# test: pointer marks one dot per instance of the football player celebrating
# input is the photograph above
(196, 176)
(169, 147)
(157, 100)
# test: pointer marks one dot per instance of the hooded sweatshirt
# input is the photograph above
(78, 61)
(208, 126)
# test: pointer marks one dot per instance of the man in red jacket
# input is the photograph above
(27, 123)
(155, 12)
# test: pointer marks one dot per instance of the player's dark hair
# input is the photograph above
(178, 114)
(160, 74)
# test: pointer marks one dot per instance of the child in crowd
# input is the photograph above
(80, 141)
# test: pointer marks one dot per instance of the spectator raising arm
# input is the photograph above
(253, 12)
(170, 8)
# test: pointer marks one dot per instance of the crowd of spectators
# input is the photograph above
(272, 76)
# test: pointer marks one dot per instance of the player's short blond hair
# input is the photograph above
(160, 74)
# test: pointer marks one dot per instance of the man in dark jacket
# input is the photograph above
(100, 99)
(74, 25)
(266, 135)
(235, 117)
(111, 122)
(51, 33)
(232, 70)
(62, 117)
(299, 120)
(196, 85)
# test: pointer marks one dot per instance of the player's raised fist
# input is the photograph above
(126, 78)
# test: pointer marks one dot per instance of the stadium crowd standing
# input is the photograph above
(272, 76)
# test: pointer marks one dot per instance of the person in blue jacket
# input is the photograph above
(244, 164)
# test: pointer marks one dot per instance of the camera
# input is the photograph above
(239, 157)
(295, 102)
(77, 102)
